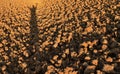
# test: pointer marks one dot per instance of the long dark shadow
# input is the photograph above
(33, 41)
(33, 27)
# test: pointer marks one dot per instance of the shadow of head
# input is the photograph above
(33, 19)
(33, 8)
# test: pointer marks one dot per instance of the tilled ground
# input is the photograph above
(60, 37)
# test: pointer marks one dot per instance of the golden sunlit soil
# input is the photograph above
(59, 36)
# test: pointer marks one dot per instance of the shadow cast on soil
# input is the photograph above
(79, 47)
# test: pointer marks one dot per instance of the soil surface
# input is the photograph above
(59, 36)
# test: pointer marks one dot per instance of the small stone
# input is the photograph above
(101, 50)
(104, 47)
(89, 29)
(26, 53)
(108, 68)
(45, 44)
(1, 50)
(63, 55)
(85, 64)
(90, 69)
(23, 65)
(58, 40)
(95, 51)
(4, 41)
(46, 49)
(19, 62)
(6, 57)
(59, 62)
(67, 51)
(55, 45)
(50, 67)
(8, 63)
(6, 48)
(105, 41)
(21, 58)
(35, 58)
(109, 59)
(95, 62)
(55, 57)
(1, 45)
(73, 54)
(40, 49)
(84, 44)
(3, 68)
(52, 61)
(87, 58)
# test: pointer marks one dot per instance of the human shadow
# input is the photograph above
(33, 35)
(32, 45)
(70, 53)
(33, 25)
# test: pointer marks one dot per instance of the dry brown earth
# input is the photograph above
(59, 36)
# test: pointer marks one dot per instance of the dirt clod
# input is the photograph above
(108, 68)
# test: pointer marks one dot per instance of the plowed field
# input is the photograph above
(59, 36)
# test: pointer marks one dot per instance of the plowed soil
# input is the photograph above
(59, 36)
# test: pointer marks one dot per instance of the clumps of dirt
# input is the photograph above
(62, 37)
